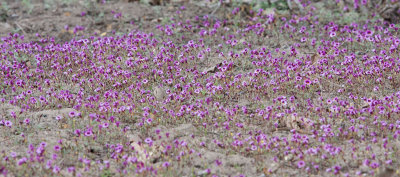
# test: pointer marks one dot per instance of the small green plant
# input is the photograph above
(48, 4)
(68, 2)
(279, 5)
(28, 4)
(4, 6)
(3, 11)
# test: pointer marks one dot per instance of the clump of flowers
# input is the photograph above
(316, 97)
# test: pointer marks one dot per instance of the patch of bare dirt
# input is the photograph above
(89, 18)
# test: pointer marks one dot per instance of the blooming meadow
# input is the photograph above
(270, 95)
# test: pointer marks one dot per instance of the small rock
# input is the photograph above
(353, 164)
(8, 108)
(210, 156)
(159, 93)
(5, 27)
(288, 157)
(364, 169)
(237, 160)
(274, 167)
(211, 69)
(387, 172)
(295, 5)
(183, 130)
(96, 149)
(133, 138)
(202, 173)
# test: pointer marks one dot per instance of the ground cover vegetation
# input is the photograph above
(233, 89)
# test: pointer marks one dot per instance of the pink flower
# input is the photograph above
(22, 161)
(27, 121)
(88, 133)
(72, 114)
(78, 132)
(8, 123)
(59, 117)
(71, 169)
(307, 82)
(148, 141)
(301, 164)
(332, 34)
(369, 33)
(56, 169)
(166, 164)
(57, 148)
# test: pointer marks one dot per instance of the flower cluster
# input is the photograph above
(320, 98)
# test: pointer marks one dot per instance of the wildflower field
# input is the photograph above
(199, 88)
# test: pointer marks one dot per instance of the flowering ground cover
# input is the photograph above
(240, 93)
